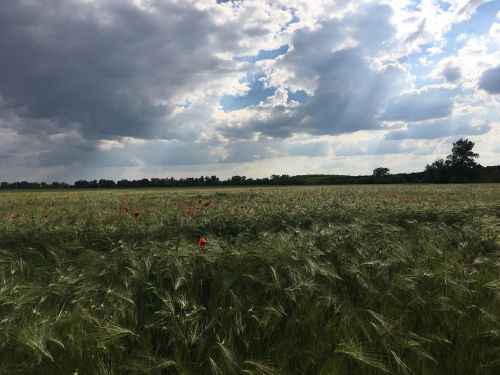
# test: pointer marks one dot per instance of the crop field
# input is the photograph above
(310, 280)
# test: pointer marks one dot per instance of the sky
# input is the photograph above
(176, 88)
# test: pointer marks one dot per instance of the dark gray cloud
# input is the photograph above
(70, 150)
(76, 157)
(419, 106)
(490, 80)
(109, 68)
(439, 129)
(350, 94)
(452, 73)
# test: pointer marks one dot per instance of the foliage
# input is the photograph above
(459, 166)
(381, 171)
(462, 155)
(438, 171)
(332, 280)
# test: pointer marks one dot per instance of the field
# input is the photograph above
(320, 280)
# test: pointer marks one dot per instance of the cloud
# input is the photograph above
(112, 68)
(490, 80)
(249, 150)
(71, 150)
(439, 129)
(209, 151)
(331, 64)
(372, 147)
(451, 73)
(310, 149)
(470, 7)
(350, 94)
(175, 152)
(135, 87)
(419, 106)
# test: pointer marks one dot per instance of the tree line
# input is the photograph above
(458, 167)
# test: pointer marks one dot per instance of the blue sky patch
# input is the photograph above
(264, 54)
(478, 24)
(254, 96)
(444, 5)
(299, 96)
(257, 93)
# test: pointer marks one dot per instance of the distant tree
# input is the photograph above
(459, 166)
(235, 180)
(381, 172)
(492, 174)
(81, 184)
(212, 181)
(144, 182)
(103, 183)
(58, 185)
(462, 155)
(123, 183)
(439, 164)
(437, 171)
(155, 182)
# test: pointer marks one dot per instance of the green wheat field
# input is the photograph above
(310, 280)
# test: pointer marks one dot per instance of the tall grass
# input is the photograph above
(331, 280)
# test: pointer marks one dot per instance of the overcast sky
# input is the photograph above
(158, 88)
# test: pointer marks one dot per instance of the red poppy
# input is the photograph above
(207, 203)
(126, 209)
(202, 242)
(136, 213)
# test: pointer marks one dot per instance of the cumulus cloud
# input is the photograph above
(114, 68)
(331, 63)
(350, 94)
(490, 80)
(451, 73)
(418, 106)
(440, 129)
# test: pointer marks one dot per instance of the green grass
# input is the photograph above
(320, 280)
